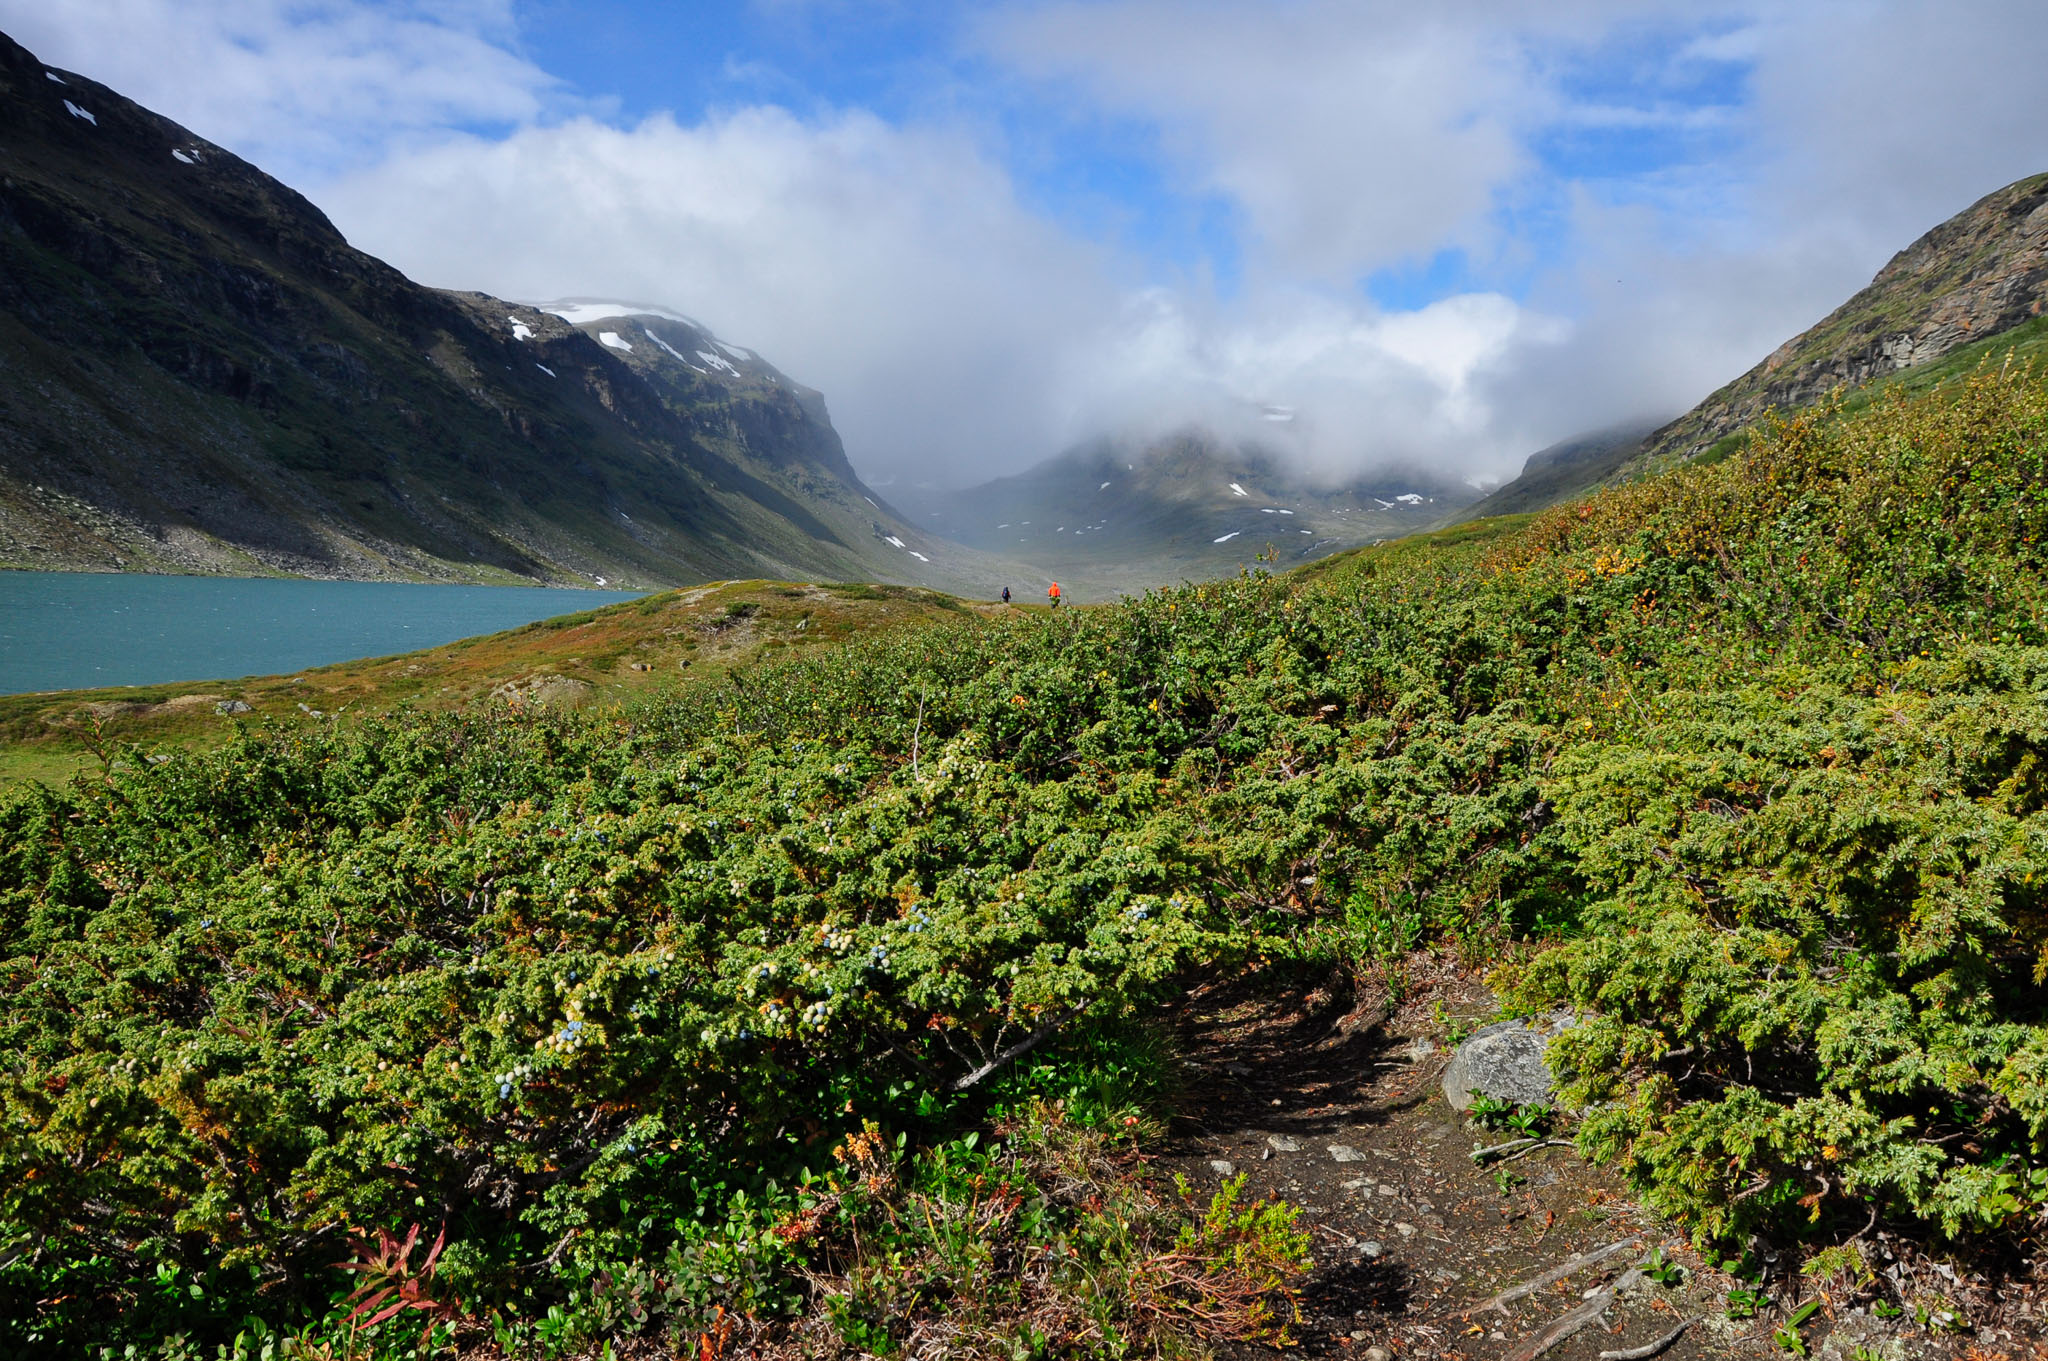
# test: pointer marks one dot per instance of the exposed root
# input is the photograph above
(1649, 1349)
(1556, 1273)
(1571, 1323)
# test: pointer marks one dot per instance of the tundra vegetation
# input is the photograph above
(816, 1005)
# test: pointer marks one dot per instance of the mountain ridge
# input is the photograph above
(198, 373)
(1973, 276)
(1976, 276)
(1189, 503)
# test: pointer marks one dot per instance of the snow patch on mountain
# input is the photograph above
(52, 75)
(579, 311)
(1228, 537)
(520, 330)
(674, 353)
(545, 369)
(717, 363)
(612, 340)
(181, 157)
(77, 112)
(1239, 490)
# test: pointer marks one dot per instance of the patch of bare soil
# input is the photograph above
(1334, 1103)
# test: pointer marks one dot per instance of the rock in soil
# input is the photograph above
(1503, 1061)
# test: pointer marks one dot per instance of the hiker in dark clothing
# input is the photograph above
(1006, 595)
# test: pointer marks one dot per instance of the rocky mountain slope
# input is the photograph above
(1972, 287)
(198, 374)
(1183, 508)
(1979, 274)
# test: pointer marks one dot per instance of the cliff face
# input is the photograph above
(198, 373)
(1981, 273)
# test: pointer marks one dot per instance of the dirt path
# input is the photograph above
(1334, 1104)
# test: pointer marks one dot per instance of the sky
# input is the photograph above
(1444, 235)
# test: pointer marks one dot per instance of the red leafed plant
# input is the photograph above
(392, 1284)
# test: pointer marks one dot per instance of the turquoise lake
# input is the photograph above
(72, 630)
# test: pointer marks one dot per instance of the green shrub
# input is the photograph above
(1751, 755)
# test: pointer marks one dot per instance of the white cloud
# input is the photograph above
(892, 268)
(1351, 135)
(300, 88)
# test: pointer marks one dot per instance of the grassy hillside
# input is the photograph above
(739, 1017)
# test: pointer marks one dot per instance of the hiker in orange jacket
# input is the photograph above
(1053, 594)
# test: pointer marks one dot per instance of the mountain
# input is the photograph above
(1182, 508)
(198, 374)
(1973, 287)
(1564, 470)
(1978, 275)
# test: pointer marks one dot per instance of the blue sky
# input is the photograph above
(1444, 234)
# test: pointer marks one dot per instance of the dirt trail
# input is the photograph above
(1334, 1104)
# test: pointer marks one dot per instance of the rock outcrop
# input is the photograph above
(1979, 274)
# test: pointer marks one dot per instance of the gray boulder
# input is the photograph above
(1505, 1061)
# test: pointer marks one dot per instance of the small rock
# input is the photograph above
(1423, 1048)
(1345, 1153)
(1370, 1248)
(1222, 1167)
(1504, 1061)
(1377, 1354)
(1359, 1184)
(231, 706)
(1359, 1335)
(1284, 1143)
(1405, 1230)
(1265, 1155)
(1387, 1190)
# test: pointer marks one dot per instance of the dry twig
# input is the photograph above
(1649, 1349)
(1556, 1273)
(1571, 1323)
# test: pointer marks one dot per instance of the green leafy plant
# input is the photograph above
(1744, 1301)
(1661, 1269)
(1789, 1336)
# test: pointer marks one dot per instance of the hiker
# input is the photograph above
(1006, 595)
(1053, 593)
